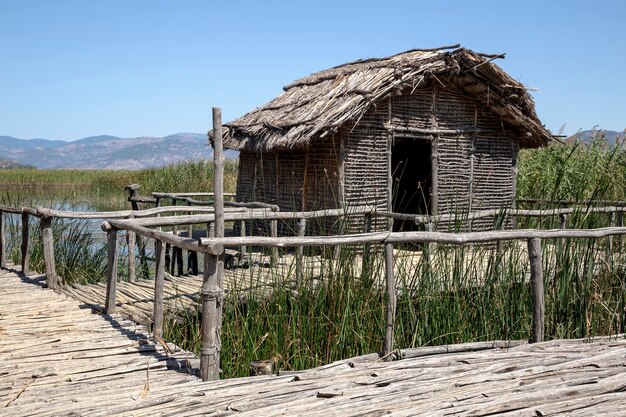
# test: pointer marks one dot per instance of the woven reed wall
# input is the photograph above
(322, 183)
(483, 159)
(245, 176)
(365, 172)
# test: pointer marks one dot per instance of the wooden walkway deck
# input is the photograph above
(59, 359)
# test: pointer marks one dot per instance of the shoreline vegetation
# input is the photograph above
(464, 294)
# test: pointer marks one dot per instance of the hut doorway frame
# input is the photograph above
(411, 174)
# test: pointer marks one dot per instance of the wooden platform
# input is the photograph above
(59, 359)
(135, 299)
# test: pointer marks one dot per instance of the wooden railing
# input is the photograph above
(213, 248)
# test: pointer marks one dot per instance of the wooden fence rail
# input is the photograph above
(213, 250)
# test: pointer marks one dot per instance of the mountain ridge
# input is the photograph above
(108, 152)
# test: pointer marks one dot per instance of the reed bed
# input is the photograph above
(457, 294)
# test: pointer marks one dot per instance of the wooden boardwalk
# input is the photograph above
(59, 359)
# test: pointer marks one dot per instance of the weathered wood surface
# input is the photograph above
(134, 299)
(59, 359)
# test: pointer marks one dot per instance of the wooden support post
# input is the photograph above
(211, 326)
(159, 286)
(25, 243)
(390, 293)
(274, 233)
(130, 244)
(242, 233)
(563, 221)
(143, 261)
(109, 304)
(213, 276)
(211, 229)
(536, 289)
(47, 242)
(178, 258)
(300, 253)
(168, 259)
(191, 254)
(3, 255)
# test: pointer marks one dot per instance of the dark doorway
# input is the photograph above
(411, 174)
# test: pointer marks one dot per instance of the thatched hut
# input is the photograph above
(423, 132)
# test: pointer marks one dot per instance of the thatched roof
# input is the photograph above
(323, 102)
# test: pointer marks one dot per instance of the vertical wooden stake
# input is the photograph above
(213, 276)
(109, 304)
(130, 243)
(536, 289)
(300, 252)
(25, 238)
(390, 308)
(159, 284)
(143, 261)
(3, 255)
(211, 326)
(47, 241)
(274, 233)
(242, 233)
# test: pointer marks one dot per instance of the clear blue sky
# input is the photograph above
(71, 69)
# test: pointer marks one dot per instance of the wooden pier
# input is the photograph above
(57, 358)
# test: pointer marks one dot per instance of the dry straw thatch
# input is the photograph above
(321, 103)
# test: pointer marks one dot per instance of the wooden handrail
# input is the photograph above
(413, 237)
(140, 222)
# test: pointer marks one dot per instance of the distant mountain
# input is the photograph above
(108, 152)
(587, 136)
(8, 164)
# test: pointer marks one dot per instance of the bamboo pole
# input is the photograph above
(25, 243)
(47, 241)
(159, 287)
(3, 255)
(109, 304)
(536, 289)
(390, 298)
